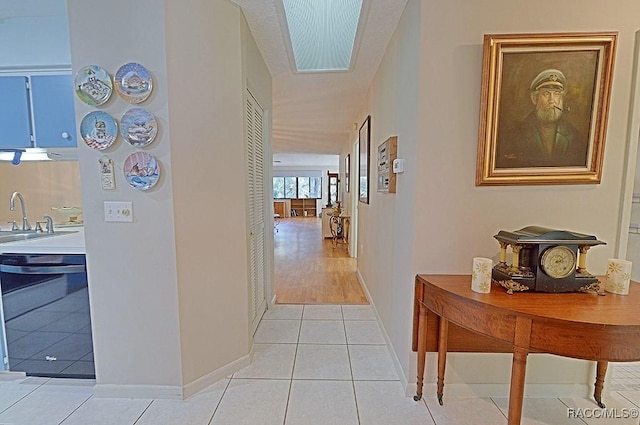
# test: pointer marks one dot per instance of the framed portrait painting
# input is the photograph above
(364, 147)
(544, 108)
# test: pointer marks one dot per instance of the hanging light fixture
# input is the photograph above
(16, 156)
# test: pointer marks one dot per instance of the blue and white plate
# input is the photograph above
(138, 127)
(93, 85)
(98, 130)
(133, 82)
(141, 170)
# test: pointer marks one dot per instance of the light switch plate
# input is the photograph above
(118, 211)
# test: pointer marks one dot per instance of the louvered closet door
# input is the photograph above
(255, 179)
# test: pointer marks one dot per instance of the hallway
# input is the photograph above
(312, 270)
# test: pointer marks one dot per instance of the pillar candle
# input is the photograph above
(481, 276)
(618, 276)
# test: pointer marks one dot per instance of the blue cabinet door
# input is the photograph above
(15, 125)
(53, 112)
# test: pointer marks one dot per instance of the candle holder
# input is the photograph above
(618, 276)
(481, 276)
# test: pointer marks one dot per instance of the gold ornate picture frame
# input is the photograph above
(544, 108)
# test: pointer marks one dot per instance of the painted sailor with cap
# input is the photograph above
(544, 138)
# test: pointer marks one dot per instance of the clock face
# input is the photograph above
(558, 262)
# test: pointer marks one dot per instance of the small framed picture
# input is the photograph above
(347, 172)
(107, 180)
(364, 147)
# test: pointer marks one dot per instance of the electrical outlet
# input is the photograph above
(118, 211)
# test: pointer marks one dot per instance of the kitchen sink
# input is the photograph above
(24, 235)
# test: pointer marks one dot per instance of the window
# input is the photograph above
(333, 188)
(278, 187)
(297, 187)
(290, 187)
(303, 187)
(315, 187)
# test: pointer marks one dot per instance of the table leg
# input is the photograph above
(443, 331)
(422, 351)
(516, 392)
(601, 371)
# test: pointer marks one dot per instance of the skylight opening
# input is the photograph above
(322, 33)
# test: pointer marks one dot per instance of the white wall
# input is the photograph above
(439, 219)
(208, 155)
(633, 243)
(37, 34)
(169, 291)
(388, 220)
(131, 266)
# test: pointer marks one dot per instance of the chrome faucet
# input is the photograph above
(49, 221)
(12, 207)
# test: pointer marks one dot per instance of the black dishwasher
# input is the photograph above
(45, 307)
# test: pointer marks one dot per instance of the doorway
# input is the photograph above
(334, 181)
(310, 267)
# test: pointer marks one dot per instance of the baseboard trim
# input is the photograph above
(169, 392)
(394, 357)
(211, 378)
(7, 375)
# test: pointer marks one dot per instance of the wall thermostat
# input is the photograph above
(398, 165)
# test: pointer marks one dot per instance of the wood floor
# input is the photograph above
(312, 270)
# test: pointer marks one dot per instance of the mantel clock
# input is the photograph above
(545, 260)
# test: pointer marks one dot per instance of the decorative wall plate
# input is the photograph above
(133, 82)
(93, 85)
(98, 130)
(141, 170)
(138, 127)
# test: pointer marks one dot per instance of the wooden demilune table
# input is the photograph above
(449, 316)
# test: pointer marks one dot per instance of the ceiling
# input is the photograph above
(306, 160)
(315, 112)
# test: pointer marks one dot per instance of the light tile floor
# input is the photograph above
(313, 364)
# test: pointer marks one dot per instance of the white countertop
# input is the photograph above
(62, 243)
